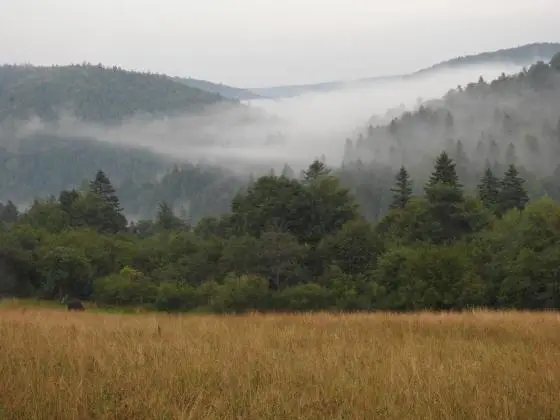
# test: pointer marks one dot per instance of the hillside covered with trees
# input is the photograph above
(95, 93)
(42, 165)
(510, 120)
(295, 245)
(520, 56)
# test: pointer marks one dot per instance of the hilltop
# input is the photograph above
(95, 93)
(521, 56)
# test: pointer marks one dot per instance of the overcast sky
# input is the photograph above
(253, 43)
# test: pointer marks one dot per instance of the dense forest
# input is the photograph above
(508, 120)
(511, 120)
(450, 206)
(41, 165)
(290, 244)
(95, 93)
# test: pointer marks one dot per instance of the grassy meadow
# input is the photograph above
(94, 365)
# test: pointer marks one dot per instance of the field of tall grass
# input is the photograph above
(479, 365)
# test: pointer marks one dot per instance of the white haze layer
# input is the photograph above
(293, 131)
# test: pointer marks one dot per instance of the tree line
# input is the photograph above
(294, 244)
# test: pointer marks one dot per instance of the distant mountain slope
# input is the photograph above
(522, 56)
(94, 93)
(513, 119)
(218, 88)
(41, 165)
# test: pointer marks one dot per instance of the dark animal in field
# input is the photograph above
(73, 304)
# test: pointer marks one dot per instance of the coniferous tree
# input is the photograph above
(489, 189)
(316, 169)
(67, 198)
(446, 205)
(512, 191)
(103, 206)
(402, 189)
(444, 172)
(166, 218)
(102, 186)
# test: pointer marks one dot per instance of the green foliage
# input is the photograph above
(65, 271)
(292, 245)
(354, 248)
(489, 190)
(512, 192)
(402, 189)
(444, 173)
(128, 287)
(309, 210)
(303, 297)
(241, 293)
(94, 93)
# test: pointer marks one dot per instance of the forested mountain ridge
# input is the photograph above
(522, 55)
(41, 165)
(511, 120)
(94, 93)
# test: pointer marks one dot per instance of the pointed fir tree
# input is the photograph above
(316, 170)
(402, 190)
(446, 205)
(444, 172)
(102, 187)
(166, 218)
(489, 189)
(512, 191)
(104, 207)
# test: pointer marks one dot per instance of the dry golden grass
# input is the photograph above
(59, 365)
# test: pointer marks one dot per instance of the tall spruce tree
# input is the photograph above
(446, 205)
(489, 189)
(512, 191)
(104, 210)
(316, 170)
(444, 172)
(102, 186)
(402, 189)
